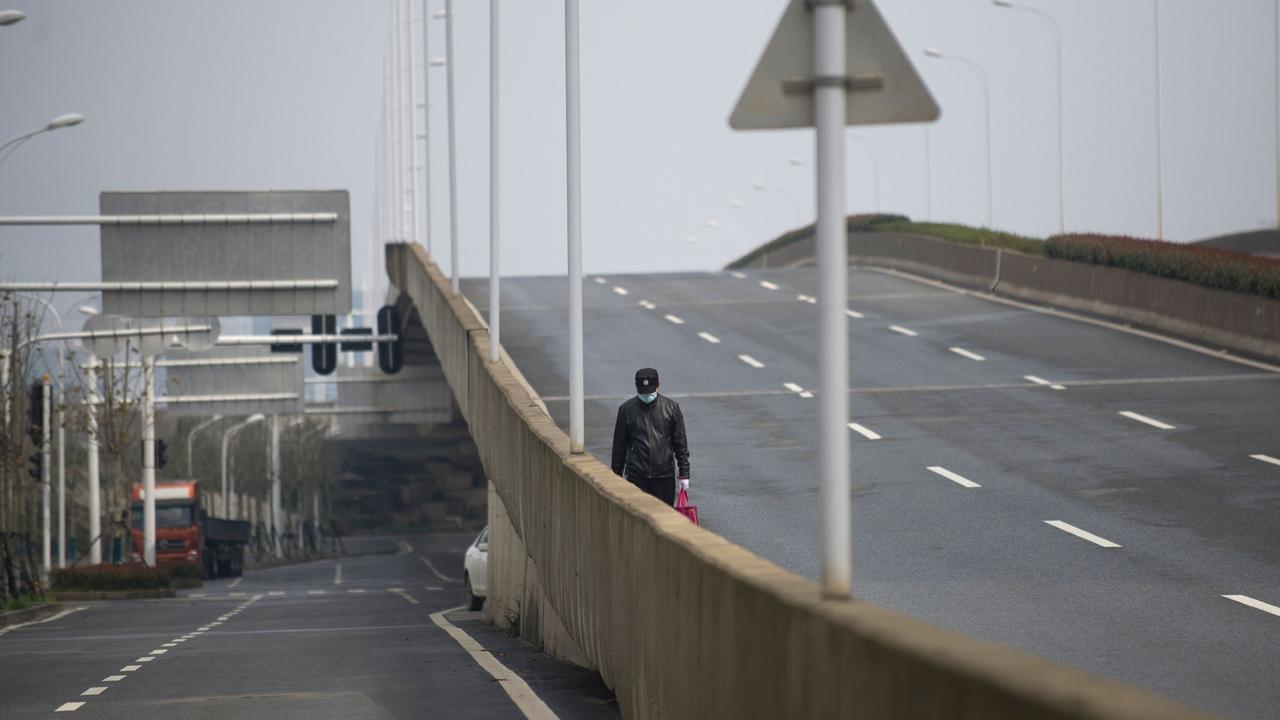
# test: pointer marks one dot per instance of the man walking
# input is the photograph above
(649, 445)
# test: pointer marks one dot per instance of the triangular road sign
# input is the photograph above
(884, 86)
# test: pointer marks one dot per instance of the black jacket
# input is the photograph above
(649, 438)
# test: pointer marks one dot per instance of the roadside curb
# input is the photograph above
(30, 614)
(78, 595)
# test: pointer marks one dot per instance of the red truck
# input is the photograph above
(186, 533)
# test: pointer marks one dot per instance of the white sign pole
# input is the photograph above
(91, 442)
(495, 311)
(453, 147)
(149, 461)
(426, 127)
(829, 88)
(275, 485)
(62, 478)
(573, 133)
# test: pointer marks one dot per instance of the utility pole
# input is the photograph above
(573, 161)
(149, 461)
(91, 442)
(275, 485)
(46, 540)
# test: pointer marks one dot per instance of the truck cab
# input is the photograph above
(179, 538)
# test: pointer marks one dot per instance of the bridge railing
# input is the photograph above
(679, 621)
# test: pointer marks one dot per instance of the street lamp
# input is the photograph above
(226, 442)
(62, 121)
(191, 439)
(986, 94)
(451, 122)
(1057, 45)
(11, 17)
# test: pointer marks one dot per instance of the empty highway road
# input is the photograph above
(1084, 492)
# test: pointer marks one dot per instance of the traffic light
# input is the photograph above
(390, 353)
(324, 356)
(35, 415)
(36, 466)
(162, 454)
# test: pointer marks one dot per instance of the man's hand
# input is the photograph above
(684, 484)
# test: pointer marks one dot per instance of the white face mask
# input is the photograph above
(649, 398)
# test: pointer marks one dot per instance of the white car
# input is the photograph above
(476, 570)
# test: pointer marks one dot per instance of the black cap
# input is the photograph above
(646, 380)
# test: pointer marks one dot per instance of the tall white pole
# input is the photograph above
(149, 460)
(1159, 131)
(95, 491)
(573, 145)
(426, 127)
(275, 484)
(453, 146)
(46, 540)
(1277, 98)
(416, 225)
(6, 499)
(191, 443)
(226, 496)
(986, 121)
(62, 477)
(833, 268)
(495, 242)
(928, 176)
(397, 63)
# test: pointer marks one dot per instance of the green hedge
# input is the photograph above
(1205, 266)
(964, 234)
(111, 577)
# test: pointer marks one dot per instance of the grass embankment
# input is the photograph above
(1204, 266)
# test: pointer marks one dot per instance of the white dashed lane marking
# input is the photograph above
(1266, 459)
(751, 361)
(1146, 420)
(647, 305)
(94, 691)
(130, 668)
(854, 314)
(965, 353)
(864, 431)
(620, 290)
(1255, 604)
(738, 275)
(1042, 381)
(674, 319)
(904, 331)
(806, 394)
(113, 678)
(709, 338)
(793, 387)
(1072, 529)
(69, 707)
(768, 285)
(953, 477)
(807, 299)
(600, 281)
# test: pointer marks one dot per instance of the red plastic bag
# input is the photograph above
(684, 508)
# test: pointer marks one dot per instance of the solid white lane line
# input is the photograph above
(854, 314)
(237, 594)
(620, 290)
(965, 353)
(1255, 604)
(69, 707)
(1082, 534)
(317, 592)
(1042, 381)
(130, 668)
(864, 431)
(768, 285)
(709, 338)
(674, 319)
(525, 699)
(51, 618)
(751, 361)
(198, 595)
(740, 276)
(113, 678)
(236, 582)
(793, 387)
(1149, 421)
(337, 574)
(276, 593)
(1266, 459)
(434, 587)
(647, 305)
(434, 571)
(94, 691)
(905, 331)
(600, 281)
(356, 591)
(953, 477)
(807, 299)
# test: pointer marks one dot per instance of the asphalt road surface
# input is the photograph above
(1083, 492)
(348, 638)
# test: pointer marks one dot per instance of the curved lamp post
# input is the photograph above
(62, 121)
(10, 17)
(226, 441)
(986, 108)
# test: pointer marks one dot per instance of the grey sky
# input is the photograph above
(287, 94)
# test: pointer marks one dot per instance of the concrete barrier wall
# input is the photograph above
(1235, 321)
(682, 623)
